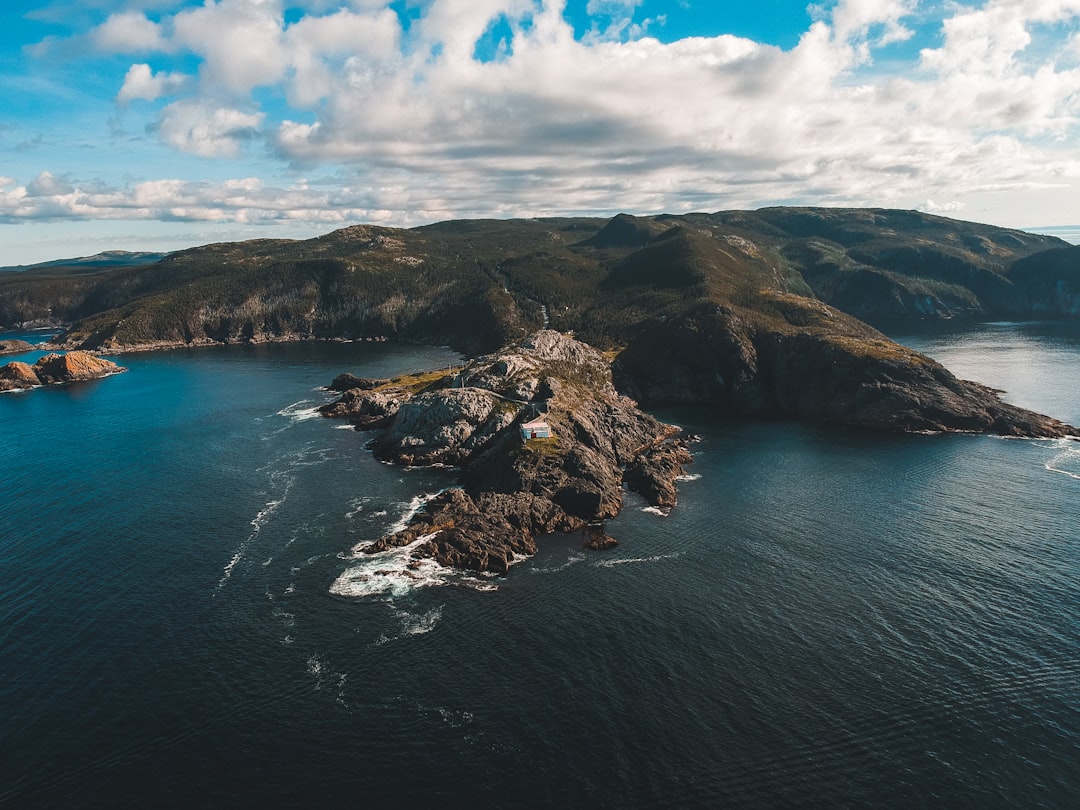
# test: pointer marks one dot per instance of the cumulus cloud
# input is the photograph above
(614, 120)
(142, 83)
(207, 130)
(128, 32)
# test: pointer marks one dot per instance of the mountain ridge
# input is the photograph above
(735, 290)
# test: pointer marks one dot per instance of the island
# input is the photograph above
(545, 443)
(56, 369)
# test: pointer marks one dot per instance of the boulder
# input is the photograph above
(18, 376)
(73, 366)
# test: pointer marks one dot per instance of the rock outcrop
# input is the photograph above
(55, 369)
(14, 347)
(847, 373)
(18, 376)
(514, 489)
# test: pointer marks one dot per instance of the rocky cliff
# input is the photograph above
(828, 368)
(56, 369)
(513, 489)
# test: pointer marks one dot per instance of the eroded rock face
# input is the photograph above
(59, 368)
(850, 375)
(17, 376)
(513, 490)
(53, 369)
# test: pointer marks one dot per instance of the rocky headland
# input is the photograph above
(546, 443)
(514, 487)
(56, 369)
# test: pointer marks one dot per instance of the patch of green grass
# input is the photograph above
(542, 447)
(878, 349)
(419, 382)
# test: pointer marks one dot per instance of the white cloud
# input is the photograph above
(48, 185)
(142, 83)
(239, 42)
(616, 120)
(207, 130)
(128, 32)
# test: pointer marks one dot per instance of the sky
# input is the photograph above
(162, 124)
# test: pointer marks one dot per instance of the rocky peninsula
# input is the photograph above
(546, 443)
(564, 472)
(56, 369)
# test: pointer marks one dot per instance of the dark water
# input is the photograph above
(829, 618)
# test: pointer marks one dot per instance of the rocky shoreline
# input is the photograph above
(586, 443)
(55, 369)
(513, 487)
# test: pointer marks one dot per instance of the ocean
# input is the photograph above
(829, 617)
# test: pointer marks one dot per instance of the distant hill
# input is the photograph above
(100, 261)
(701, 307)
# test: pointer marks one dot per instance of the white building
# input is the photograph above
(536, 429)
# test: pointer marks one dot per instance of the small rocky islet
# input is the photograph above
(55, 369)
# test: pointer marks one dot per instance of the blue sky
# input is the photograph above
(159, 124)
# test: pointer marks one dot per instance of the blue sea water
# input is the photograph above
(829, 617)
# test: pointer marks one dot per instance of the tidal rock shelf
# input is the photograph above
(543, 441)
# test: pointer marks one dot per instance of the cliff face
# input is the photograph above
(54, 369)
(513, 489)
(847, 374)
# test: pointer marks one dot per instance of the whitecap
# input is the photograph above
(689, 477)
(627, 561)
(257, 523)
(418, 624)
(656, 510)
(1066, 461)
(410, 510)
(301, 411)
(390, 573)
(356, 507)
(574, 559)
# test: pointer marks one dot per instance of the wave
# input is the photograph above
(257, 524)
(392, 573)
(410, 510)
(413, 624)
(628, 561)
(574, 559)
(656, 510)
(301, 411)
(396, 573)
(1067, 460)
(689, 477)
